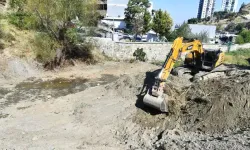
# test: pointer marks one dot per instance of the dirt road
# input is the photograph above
(99, 107)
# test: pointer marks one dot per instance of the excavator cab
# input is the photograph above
(207, 60)
(210, 58)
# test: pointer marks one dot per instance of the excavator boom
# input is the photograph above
(155, 96)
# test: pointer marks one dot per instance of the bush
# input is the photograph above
(45, 47)
(245, 34)
(23, 20)
(140, 55)
(239, 40)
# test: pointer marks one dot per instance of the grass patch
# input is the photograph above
(158, 63)
(239, 57)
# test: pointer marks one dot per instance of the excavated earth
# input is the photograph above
(100, 107)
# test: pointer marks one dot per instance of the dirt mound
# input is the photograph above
(218, 105)
(213, 113)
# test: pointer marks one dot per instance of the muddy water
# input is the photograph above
(45, 90)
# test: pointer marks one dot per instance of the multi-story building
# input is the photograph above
(102, 7)
(115, 13)
(229, 5)
(206, 8)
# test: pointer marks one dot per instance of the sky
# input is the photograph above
(181, 10)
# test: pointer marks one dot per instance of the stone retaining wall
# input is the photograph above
(154, 51)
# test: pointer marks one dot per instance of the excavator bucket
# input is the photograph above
(159, 103)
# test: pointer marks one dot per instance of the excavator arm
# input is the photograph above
(155, 96)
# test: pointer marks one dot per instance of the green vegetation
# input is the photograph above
(219, 15)
(135, 14)
(5, 36)
(185, 31)
(45, 47)
(196, 20)
(147, 22)
(243, 37)
(162, 23)
(140, 55)
(139, 21)
(240, 57)
(57, 39)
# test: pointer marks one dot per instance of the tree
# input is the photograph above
(135, 7)
(193, 21)
(183, 31)
(138, 24)
(55, 18)
(147, 22)
(162, 23)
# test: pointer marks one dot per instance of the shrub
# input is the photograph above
(239, 40)
(245, 35)
(140, 55)
(45, 47)
(23, 20)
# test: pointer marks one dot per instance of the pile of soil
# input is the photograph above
(218, 105)
(205, 112)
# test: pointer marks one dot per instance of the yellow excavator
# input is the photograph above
(195, 57)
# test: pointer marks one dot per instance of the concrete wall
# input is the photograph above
(154, 51)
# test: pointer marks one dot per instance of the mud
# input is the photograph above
(45, 90)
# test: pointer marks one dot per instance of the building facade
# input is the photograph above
(102, 7)
(115, 13)
(229, 5)
(206, 8)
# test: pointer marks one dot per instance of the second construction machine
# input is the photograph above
(196, 58)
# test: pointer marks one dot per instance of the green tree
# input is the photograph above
(193, 21)
(138, 24)
(147, 22)
(135, 8)
(183, 31)
(162, 23)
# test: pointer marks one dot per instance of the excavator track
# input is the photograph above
(221, 70)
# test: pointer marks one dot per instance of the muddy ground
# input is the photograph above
(100, 107)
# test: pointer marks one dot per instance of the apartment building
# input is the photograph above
(102, 7)
(229, 5)
(206, 8)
